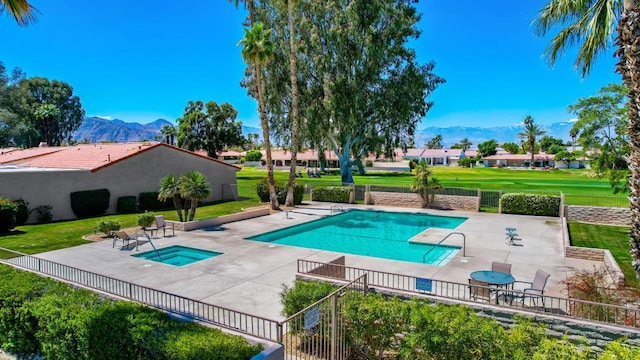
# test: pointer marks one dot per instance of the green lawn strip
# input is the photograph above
(613, 238)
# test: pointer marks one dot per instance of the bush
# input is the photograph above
(45, 214)
(302, 294)
(90, 202)
(22, 211)
(338, 194)
(368, 163)
(107, 226)
(262, 189)
(197, 342)
(253, 155)
(127, 205)
(7, 214)
(149, 202)
(531, 204)
(412, 164)
(146, 219)
(466, 162)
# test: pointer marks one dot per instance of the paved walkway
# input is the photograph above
(249, 276)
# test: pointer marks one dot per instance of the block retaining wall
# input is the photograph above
(412, 200)
(599, 215)
(598, 255)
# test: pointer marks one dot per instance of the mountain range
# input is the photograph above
(97, 129)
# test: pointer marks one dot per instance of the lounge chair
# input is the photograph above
(124, 237)
(479, 289)
(534, 290)
(501, 267)
(161, 224)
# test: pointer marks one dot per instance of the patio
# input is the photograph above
(248, 276)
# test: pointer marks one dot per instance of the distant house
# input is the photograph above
(48, 175)
(519, 160)
(433, 157)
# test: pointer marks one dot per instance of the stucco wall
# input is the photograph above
(453, 202)
(131, 176)
(599, 215)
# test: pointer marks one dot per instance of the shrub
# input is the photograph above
(531, 204)
(149, 201)
(146, 219)
(90, 202)
(22, 211)
(107, 226)
(7, 214)
(253, 155)
(412, 164)
(338, 194)
(197, 342)
(127, 205)
(302, 294)
(368, 163)
(262, 190)
(45, 214)
(466, 162)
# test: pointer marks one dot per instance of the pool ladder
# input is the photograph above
(336, 208)
(153, 246)
(464, 245)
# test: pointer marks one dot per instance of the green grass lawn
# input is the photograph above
(614, 238)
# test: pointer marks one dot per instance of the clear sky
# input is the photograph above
(143, 60)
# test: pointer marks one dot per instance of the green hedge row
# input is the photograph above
(127, 205)
(338, 194)
(149, 202)
(90, 202)
(531, 204)
(376, 325)
(42, 316)
(262, 189)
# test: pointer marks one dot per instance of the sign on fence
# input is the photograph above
(423, 284)
(312, 318)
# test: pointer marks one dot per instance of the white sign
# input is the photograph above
(312, 318)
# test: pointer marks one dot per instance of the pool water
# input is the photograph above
(370, 233)
(177, 255)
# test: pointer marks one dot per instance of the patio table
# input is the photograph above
(495, 278)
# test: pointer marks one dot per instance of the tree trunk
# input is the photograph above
(273, 198)
(178, 206)
(192, 213)
(293, 116)
(345, 168)
(629, 53)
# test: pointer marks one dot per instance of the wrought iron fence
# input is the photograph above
(211, 314)
(503, 297)
(591, 200)
(318, 331)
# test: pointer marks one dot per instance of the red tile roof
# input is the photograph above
(11, 155)
(85, 156)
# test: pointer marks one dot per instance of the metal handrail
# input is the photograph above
(337, 208)
(464, 244)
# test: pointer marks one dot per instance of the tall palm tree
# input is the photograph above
(293, 118)
(23, 12)
(465, 144)
(170, 189)
(591, 23)
(574, 134)
(529, 134)
(421, 182)
(257, 51)
(169, 132)
(194, 187)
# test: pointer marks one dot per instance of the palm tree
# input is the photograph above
(421, 182)
(169, 133)
(258, 50)
(194, 187)
(591, 24)
(170, 188)
(574, 134)
(465, 144)
(529, 134)
(293, 118)
(23, 12)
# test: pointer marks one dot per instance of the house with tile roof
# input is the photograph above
(433, 157)
(48, 175)
(519, 160)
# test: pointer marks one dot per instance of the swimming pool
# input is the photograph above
(177, 255)
(370, 233)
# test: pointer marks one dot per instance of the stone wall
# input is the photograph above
(598, 255)
(412, 200)
(329, 270)
(599, 215)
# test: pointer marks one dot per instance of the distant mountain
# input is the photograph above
(453, 134)
(96, 129)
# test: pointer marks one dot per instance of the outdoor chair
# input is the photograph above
(124, 237)
(501, 267)
(479, 289)
(161, 224)
(534, 290)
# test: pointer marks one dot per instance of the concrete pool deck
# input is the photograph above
(248, 276)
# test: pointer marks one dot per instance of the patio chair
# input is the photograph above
(535, 290)
(501, 267)
(124, 237)
(479, 289)
(161, 224)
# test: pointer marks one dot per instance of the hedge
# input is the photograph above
(127, 205)
(531, 204)
(262, 190)
(149, 201)
(42, 316)
(338, 194)
(90, 202)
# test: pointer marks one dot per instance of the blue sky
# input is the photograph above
(143, 60)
